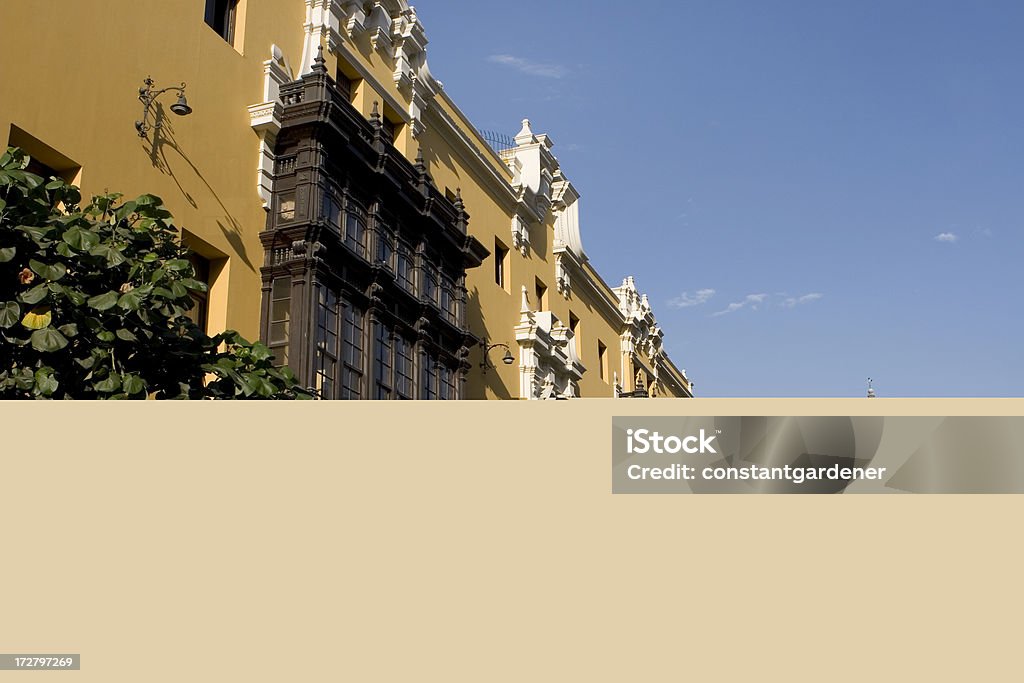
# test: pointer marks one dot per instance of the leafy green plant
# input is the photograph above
(94, 301)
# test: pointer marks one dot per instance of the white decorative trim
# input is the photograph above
(265, 119)
(520, 235)
(563, 279)
(379, 27)
(548, 364)
(643, 337)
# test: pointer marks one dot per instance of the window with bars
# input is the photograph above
(447, 384)
(449, 301)
(280, 318)
(332, 209)
(382, 363)
(352, 353)
(325, 370)
(355, 231)
(286, 207)
(385, 247)
(428, 376)
(430, 283)
(405, 269)
(405, 382)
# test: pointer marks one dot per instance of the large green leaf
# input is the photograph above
(109, 385)
(46, 383)
(130, 301)
(80, 238)
(10, 314)
(133, 384)
(36, 294)
(37, 234)
(7, 253)
(50, 272)
(114, 256)
(48, 340)
(103, 302)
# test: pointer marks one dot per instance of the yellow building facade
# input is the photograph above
(69, 96)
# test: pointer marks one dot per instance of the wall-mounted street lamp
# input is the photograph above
(485, 364)
(148, 97)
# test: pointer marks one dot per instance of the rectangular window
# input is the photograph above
(446, 384)
(352, 353)
(542, 296)
(404, 377)
(381, 361)
(199, 313)
(405, 270)
(428, 376)
(430, 283)
(44, 161)
(449, 300)
(355, 232)
(500, 263)
(344, 85)
(221, 16)
(602, 361)
(574, 327)
(332, 210)
(326, 342)
(385, 248)
(280, 318)
(387, 129)
(286, 207)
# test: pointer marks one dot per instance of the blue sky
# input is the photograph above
(810, 193)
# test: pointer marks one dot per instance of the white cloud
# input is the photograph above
(946, 237)
(530, 67)
(793, 301)
(780, 299)
(685, 300)
(752, 300)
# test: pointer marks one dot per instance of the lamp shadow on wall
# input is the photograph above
(163, 139)
(492, 378)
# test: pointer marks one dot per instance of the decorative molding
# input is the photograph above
(549, 367)
(378, 25)
(643, 338)
(563, 279)
(265, 119)
(520, 235)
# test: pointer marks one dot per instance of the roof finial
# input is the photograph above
(871, 389)
(319, 65)
(525, 136)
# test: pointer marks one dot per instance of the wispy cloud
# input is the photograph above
(794, 301)
(751, 300)
(530, 67)
(946, 237)
(777, 300)
(685, 300)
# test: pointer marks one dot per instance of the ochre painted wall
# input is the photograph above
(70, 78)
